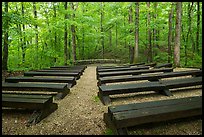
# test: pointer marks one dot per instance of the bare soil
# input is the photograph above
(81, 113)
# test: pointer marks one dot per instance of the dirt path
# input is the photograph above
(81, 113)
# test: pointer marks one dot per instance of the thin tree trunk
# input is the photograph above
(125, 44)
(149, 35)
(131, 48)
(110, 38)
(83, 35)
(170, 33)
(24, 39)
(73, 34)
(116, 34)
(177, 35)
(102, 33)
(198, 27)
(65, 35)
(36, 32)
(5, 49)
(155, 29)
(136, 50)
(55, 42)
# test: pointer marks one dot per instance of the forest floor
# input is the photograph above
(81, 113)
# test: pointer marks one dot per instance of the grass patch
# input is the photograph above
(96, 99)
(108, 132)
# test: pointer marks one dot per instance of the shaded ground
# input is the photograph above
(81, 113)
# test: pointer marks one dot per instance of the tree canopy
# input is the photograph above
(43, 34)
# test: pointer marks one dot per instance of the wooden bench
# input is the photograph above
(82, 67)
(109, 67)
(161, 87)
(120, 117)
(70, 80)
(61, 70)
(123, 69)
(41, 104)
(154, 77)
(67, 74)
(163, 65)
(61, 89)
(133, 72)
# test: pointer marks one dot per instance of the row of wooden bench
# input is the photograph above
(120, 117)
(38, 96)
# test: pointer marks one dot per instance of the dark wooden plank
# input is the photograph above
(130, 88)
(133, 72)
(120, 117)
(28, 103)
(161, 87)
(80, 66)
(34, 87)
(70, 79)
(104, 80)
(110, 67)
(123, 69)
(150, 104)
(60, 70)
(33, 73)
(26, 96)
(182, 82)
(156, 114)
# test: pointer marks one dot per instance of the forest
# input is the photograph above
(42, 34)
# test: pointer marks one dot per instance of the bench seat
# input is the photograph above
(154, 77)
(61, 70)
(67, 74)
(41, 104)
(120, 117)
(132, 72)
(61, 89)
(123, 69)
(70, 80)
(162, 87)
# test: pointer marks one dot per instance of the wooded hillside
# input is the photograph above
(42, 34)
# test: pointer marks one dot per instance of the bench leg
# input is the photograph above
(105, 99)
(110, 124)
(122, 131)
(38, 115)
(60, 95)
(165, 92)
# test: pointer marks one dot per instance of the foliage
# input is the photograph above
(49, 50)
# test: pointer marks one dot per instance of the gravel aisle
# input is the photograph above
(80, 112)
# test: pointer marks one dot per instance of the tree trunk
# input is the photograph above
(149, 35)
(73, 34)
(116, 34)
(102, 33)
(136, 50)
(83, 35)
(110, 38)
(155, 29)
(5, 49)
(170, 33)
(55, 41)
(24, 39)
(36, 32)
(131, 48)
(65, 36)
(198, 27)
(177, 35)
